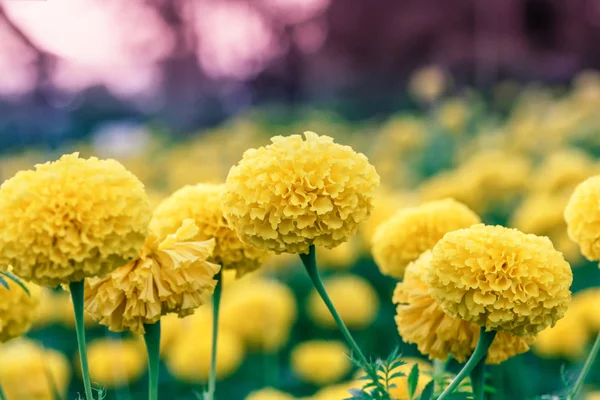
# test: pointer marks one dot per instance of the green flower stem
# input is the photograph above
(478, 379)
(484, 343)
(212, 379)
(310, 263)
(77, 297)
(2, 394)
(586, 369)
(152, 339)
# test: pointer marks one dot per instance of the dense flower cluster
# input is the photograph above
(202, 203)
(269, 394)
(320, 362)
(354, 299)
(422, 321)
(298, 192)
(43, 369)
(18, 309)
(114, 363)
(583, 217)
(171, 275)
(500, 278)
(71, 219)
(411, 231)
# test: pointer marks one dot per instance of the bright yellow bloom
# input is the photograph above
(71, 219)
(25, 369)
(342, 257)
(269, 394)
(562, 171)
(583, 217)
(114, 363)
(18, 309)
(171, 275)
(188, 358)
(385, 204)
(500, 278)
(422, 321)
(48, 311)
(202, 203)
(171, 328)
(568, 338)
(295, 193)
(586, 304)
(411, 231)
(64, 309)
(354, 298)
(261, 312)
(320, 362)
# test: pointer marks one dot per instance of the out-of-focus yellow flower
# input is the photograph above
(337, 392)
(583, 217)
(202, 203)
(500, 278)
(401, 134)
(188, 358)
(114, 363)
(428, 83)
(422, 321)
(320, 362)
(354, 298)
(18, 309)
(385, 204)
(562, 171)
(171, 275)
(453, 116)
(592, 395)
(568, 338)
(261, 312)
(48, 311)
(64, 310)
(298, 192)
(171, 328)
(586, 304)
(269, 394)
(342, 257)
(411, 231)
(71, 219)
(26, 369)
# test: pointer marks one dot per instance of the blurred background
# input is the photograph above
(492, 103)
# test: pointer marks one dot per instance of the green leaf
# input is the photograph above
(3, 283)
(427, 393)
(397, 375)
(16, 280)
(413, 380)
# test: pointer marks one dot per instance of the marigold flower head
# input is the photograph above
(171, 275)
(354, 298)
(24, 358)
(562, 171)
(339, 258)
(71, 219)
(298, 192)
(411, 231)
(202, 203)
(18, 309)
(320, 362)
(269, 394)
(500, 278)
(114, 363)
(261, 312)
(583, 217)
(385, 204)
(422, 321)
(568, 338)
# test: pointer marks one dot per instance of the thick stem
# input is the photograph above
(212, 379)
(152, 339)
(2, 394)
(478, 379)
(484, 343)
(310, 263)
(586, 369)
(77, 297)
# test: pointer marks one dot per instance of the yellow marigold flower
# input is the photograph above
(202, 203)
(171, 328)
(422, 321)
(411, 231)
(342, 257)
(71, 219)
(171, 275)
(261, 312)
(427, 84)
(586, 304)
(583, 216)
(337, 392)
(568, 338)
(385, 204)
(25, 358)
(294, 193)
(188, 359)
(454, 115)
(64, 309)
(18, 309)
(320, 362)
(114, 363)
(354, 298)
(500, 278)
(48, 310)
(562, 171)
(269, 394)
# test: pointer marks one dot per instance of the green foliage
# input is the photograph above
(13, 278)
(413, 380)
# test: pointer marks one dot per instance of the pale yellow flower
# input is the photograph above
(320, 362)
(114, 363)
(18, 309)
